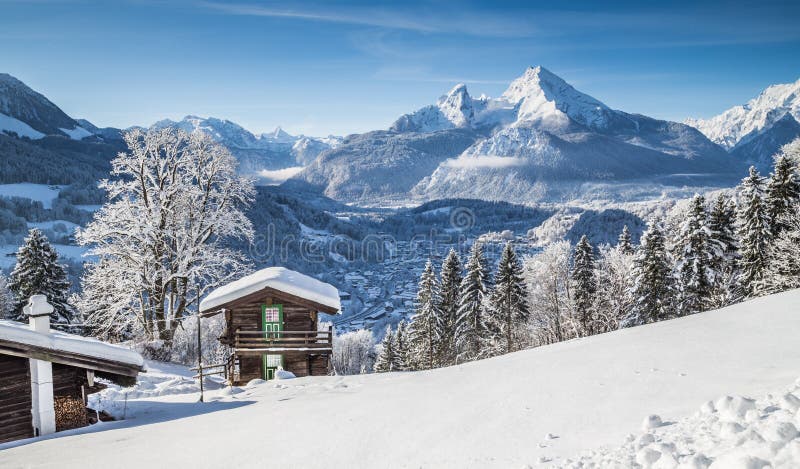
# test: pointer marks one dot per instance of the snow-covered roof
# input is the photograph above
(54, 340)
(278, 278)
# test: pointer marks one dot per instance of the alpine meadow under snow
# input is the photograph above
(656, 395)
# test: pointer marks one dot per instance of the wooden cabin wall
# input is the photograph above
(245, 315)
(298, 318)
(246, 319)
(67, 380)
(250, 368)
(295, 318)
(15, 398)
(304, 364)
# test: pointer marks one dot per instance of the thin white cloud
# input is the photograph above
(470, 162)
(275, 177)
(420, 19)
(372, 19)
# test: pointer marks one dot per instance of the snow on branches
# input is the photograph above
(173, 201)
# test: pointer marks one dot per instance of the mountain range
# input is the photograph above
(541, 140)
(33, 119)
(754, 131)
(258, 155)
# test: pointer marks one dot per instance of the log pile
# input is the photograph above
(70, 413)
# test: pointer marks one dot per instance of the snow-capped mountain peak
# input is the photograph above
(279, 136)
(741, 123)
(542, 96)
(538, 97)
(456, 106)
(453, 110)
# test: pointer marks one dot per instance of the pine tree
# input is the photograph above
(624, 243)
(449, 300)
(38, 272)
(783, 194)
(469, 330)
(584, 284)
(508, 310)
(7, 301)
(401, 350)
(652, 288)
(422, 328)
(694, 260)
(754, 232)
(724, 249)
(386, 358)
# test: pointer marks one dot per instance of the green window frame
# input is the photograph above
(270, 362)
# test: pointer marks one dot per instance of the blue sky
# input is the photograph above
(341, 67)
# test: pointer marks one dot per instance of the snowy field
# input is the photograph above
(582, 403)
(41, 192)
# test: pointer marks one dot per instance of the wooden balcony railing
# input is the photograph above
(283, 340)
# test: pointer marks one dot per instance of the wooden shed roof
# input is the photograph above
(18, 339)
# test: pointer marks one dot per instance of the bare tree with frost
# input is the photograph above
(173, 201)
(547, 276)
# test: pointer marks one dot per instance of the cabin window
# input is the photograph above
(274, 361)
(272, 314)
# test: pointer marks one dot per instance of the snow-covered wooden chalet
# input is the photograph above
(271, 319)
(45, 375)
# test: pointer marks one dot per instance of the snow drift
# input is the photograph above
(540, 406)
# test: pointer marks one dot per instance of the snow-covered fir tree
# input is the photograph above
(584, 285)
(694, 260)
(508, 312)
(782, 270)
(783, 193)
(422, 330)
(470, 330)
(161, 241)
(725, 250)
(386, 357)
(7, 302)
(754, 233)
(449, 301)
(402, 357)
(624, 243)
(653, 287)
(38, 271)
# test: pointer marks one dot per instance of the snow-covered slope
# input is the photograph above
(541, 140)
(29, 114)
(10, 126)
(759, 149)
(548, 404)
